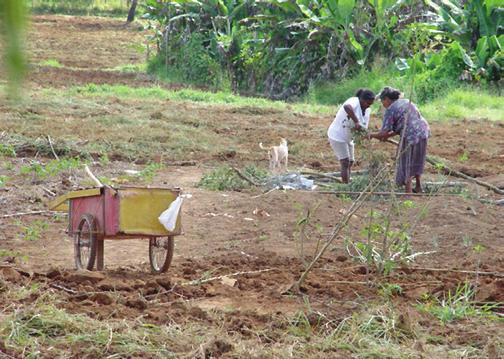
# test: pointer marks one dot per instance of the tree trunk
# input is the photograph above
(132, 10)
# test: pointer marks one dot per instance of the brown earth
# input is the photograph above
(222, 235)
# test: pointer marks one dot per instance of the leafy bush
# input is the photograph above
(224, 178)
(189, 63)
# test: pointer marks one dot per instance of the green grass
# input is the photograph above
(195, 95)
(80, 7)
(51, 63)
(465, 103)
(458, 305)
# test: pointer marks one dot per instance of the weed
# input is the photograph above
(3, 181)
(7, 150)
(225, 179)
(52, 168)
(389, 290)
(148, 173)
(51, 63)
(464, 157)
(34, 230)
(457, 305)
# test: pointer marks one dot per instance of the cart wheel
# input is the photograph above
(85, 243)
(160, 253)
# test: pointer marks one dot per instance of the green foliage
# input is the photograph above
(33, 231)
(224, 178)
(389, 290)
(384, 245)
(457, 305)
(148, 173)
(7, 150)
(278, 48)
(463, 103)
(51, 63)
(3, 181)
(190, 62)
(207, 97)
(52, 168)
(475, 26)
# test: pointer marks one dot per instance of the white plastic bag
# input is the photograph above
(169, 217)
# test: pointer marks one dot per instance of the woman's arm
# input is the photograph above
(382, 135)
(349, 110)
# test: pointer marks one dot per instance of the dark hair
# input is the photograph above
(389, 92)
(365, 94)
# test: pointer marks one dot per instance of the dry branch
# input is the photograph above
(490, 274)
(93, 177)
(19, 214)
(52, 148)
(246, 178)
(386, 193)
(321, 175)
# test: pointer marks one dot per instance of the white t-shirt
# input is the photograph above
(340, 129)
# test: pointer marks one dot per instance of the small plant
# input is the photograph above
(389, 290)
(384, 254)
(456, 305)
(51, 63)
(464, 157)
(7, 150)
(52, 168)
(148, 173)
(33, 231)
(3, 181)
(306, 229)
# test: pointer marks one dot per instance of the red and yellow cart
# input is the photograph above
(97, 214)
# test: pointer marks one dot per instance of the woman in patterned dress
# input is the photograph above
(403, 118)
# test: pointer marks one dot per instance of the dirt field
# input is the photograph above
(222, 233)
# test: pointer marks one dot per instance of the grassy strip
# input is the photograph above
(79, 7)
(465, 104)
(457, 105)
(195, 95)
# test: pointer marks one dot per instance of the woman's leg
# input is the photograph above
(341, 150)
(345, 170)
(418, 186)
(351, 158)
(408, 185)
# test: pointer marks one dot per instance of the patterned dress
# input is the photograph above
(413, 149)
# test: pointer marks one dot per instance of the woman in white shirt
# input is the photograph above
(352, 115)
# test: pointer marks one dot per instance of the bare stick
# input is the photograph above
(491, 274)
(52, 148)
(93, 177)
(68, 290)
(321, 175)
(19, 214)
(241, 175)
(48, 191)
(387, 193)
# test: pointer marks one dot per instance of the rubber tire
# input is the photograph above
(169, 255)
(93, 235)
